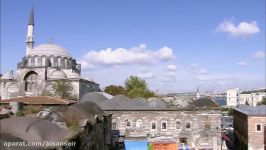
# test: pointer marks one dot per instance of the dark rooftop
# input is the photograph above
(251, 110)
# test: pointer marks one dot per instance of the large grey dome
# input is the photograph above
(49, 50)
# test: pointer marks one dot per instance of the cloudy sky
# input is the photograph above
(175, 45)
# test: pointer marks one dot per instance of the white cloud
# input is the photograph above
(259, 55)
(122, 56)
(243, 29)
(171, 74)
(192, 65)
(146, 75)
(202, 71)
(86, 65)
(242, 63)
(171, 67)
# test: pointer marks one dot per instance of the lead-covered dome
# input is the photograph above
(49, 50)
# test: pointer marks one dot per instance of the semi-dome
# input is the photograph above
(49, 50)
(58, 74)
(74, 75)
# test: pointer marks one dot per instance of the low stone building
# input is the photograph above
(196, 126)
(250, 127)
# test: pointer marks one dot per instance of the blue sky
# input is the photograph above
(175, 45)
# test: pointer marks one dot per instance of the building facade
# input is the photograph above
(250, 127)
(197, 125)
(40, 67)
(233, 97)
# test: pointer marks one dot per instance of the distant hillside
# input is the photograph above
(253, 91)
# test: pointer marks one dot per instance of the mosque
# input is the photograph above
(41, 67)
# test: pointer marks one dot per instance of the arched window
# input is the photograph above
(207, 123)
(39, 61)
(128, 125)
(178, 125)
(153, 125)
(114, 126)
(139, 124)
(188, 125)
(55, 62)
(31, 79)
(62, 62)
(164, 125)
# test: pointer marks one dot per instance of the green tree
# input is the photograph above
(63, 89)
(115, 90)
(134, 82)
(263, 102)
(137, 87)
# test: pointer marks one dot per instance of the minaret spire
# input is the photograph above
(31, 20)
(30, 34)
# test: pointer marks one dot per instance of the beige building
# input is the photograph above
(197, 126)
(250, 127)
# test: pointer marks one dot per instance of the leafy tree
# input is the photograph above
(115, 90)
(63, 89)
(134, 82)
(137, 87)
(263, 102)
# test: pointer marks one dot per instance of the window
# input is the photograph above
(31, 61)
(39, 61)
(207, 123)
(178, 125)
(258, 127)
(114, 126)
(188, 125)
(139, 124)
(31, 80)
(183, 140)
(164, 125)
(153, 125)
(128, 125)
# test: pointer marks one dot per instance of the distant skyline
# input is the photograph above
(176, 45)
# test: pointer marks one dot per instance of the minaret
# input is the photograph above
(30, 34)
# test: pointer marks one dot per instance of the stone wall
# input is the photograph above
(201, 129)
(256, 138)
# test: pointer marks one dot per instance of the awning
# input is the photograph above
(226, 138)
(136, 145)
(184, 147)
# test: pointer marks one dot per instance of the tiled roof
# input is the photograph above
(39, 100)
(251, 110)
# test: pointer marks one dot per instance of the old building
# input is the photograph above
(196, 126)
(40, 67)
(250, 127)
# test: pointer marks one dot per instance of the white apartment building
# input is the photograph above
(233, 97)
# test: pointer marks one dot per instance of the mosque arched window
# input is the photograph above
(62, 62)
(39, 61)
(31, 79)
(55, 62)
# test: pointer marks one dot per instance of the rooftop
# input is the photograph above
(251, 110)
(39, 100)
